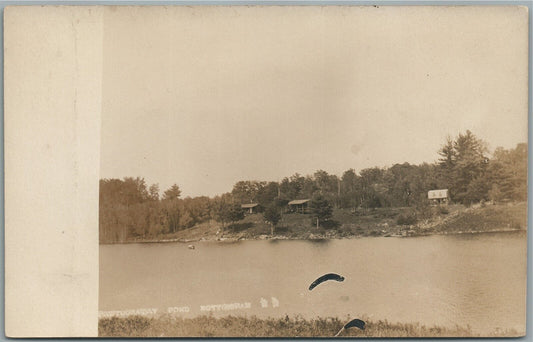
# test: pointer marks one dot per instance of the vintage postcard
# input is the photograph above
(266, 171)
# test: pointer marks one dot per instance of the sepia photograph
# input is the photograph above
(266, 171)
(313, 172)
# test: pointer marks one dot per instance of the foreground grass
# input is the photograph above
(232, 326)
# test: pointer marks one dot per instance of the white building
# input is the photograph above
(439, 196)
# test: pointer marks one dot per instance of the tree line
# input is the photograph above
(130, 208)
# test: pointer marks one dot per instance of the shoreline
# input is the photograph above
(315, 237)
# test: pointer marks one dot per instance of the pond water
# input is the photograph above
(470, 279)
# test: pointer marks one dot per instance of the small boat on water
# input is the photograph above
(191, 247)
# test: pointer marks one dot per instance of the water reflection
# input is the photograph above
(320, 242)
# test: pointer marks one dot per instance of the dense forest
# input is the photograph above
(132, 209)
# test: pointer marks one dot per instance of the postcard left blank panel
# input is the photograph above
(53, 79)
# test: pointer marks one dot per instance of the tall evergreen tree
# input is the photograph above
(321, 209)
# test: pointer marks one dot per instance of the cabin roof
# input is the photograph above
(301, 201)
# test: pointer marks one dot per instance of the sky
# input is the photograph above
(207, 96)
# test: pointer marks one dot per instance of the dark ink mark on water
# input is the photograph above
(325, 277)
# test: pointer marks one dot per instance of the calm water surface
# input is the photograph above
(477, 280)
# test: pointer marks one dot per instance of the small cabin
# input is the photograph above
(441, 196)
(250, 208)
(299, 206)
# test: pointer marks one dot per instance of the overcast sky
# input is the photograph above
(205, 97)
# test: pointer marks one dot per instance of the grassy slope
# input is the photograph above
(383, 221)
(489, 218)
(232, 326)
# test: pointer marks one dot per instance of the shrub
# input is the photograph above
(330, 224)
(406, 219)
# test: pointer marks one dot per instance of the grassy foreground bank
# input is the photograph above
(232, 326)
